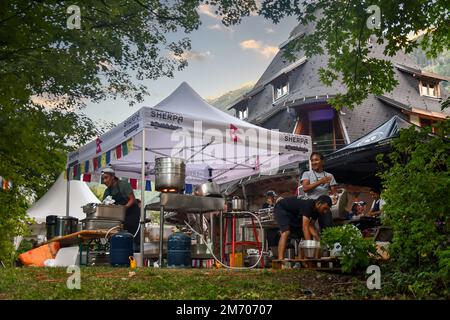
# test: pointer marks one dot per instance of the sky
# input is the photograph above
(221, 59)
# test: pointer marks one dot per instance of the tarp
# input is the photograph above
(54, 201)
(214, 144)
(356, 163)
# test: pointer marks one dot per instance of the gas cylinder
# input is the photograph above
(179, 251)
(121, 249)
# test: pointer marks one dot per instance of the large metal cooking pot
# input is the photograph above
(58, 226)
(310, 249)
(170, 174)
(238, 204)
(104, 211)
(208, 189)
(100, 224)
(251, 259)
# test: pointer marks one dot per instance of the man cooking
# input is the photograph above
(271, 199)
(122, 193)
(294, 215)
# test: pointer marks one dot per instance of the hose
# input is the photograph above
(212, 252)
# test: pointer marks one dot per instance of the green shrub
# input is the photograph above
(357, 252)
(416, 183)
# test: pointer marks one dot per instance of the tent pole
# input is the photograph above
(67, 194)
(142, 235)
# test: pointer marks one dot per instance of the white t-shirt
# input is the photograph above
(323, 189)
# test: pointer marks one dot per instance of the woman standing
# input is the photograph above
(317, 182)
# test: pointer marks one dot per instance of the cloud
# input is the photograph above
(192, 56)
(259, 47)
(207, 11)
(215, 27)
(269, 30)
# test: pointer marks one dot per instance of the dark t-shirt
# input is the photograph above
(299, 207)
(119, 192)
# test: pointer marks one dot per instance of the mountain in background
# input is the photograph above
(224, 101)
(439, 65)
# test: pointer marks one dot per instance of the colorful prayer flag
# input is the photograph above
(133, 183)
(148, 185)
(119, 151)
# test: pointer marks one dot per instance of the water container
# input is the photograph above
(121, 249)
(179, 251)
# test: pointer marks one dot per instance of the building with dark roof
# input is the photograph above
(289, 96)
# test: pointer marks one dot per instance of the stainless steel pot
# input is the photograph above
(208, 189)
(104, 211)
(100, 224)
(238, 204)
(310, 249)
(59, 226)
(251, 259)
(170, 174)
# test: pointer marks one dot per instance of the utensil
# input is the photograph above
(238, 204)
(100, 224)
(208, 189)
(104, 211)
(170, 174)
(309, 249)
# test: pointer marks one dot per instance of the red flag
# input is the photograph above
(119, 151)
(95, 163)
(87, 177)
(233, 134)
(99, 147)
(133, 183)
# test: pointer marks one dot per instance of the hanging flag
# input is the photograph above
(82, 167)
(86, 166)
(133, 183)
(119, 151)
(67, 173)
(130, 145)
(95, 163)
(233, 134)
(108, 157)
(99, 161)
(98, 143)
(148, 185)
(87, 177)
(78, 172)
(103, 160)
(75, 171)
(124, 148)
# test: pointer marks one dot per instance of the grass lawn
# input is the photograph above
(149, 283)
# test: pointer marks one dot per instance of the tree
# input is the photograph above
(51, 50)
(416, 182)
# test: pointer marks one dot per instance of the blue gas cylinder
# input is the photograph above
(179, 251)
(121, 249)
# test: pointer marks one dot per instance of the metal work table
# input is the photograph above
(174, 202)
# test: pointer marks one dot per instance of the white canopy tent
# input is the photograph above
(54, 201)
(215, 145)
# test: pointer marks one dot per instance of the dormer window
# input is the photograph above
(280, 89)
(243, 114)
(430, 89)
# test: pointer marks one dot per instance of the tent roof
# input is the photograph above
(186, 101)
(356, 163)
(183, 125)
(54, 201)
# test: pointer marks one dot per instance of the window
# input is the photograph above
(429, 89)
(243, 114)
(280, 90)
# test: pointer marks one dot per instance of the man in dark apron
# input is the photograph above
(122, 193)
